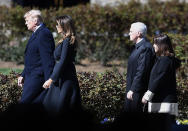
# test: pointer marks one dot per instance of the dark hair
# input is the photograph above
(67, 24)
(163, 42)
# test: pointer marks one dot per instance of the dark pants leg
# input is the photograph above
(134, 105)
(32, 89)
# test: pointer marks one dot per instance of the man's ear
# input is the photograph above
(139, 34)
(36, 21)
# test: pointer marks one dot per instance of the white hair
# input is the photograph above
(139, 27)
(34, 14)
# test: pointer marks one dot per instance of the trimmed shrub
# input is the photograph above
(100, 30)
(102, 93)
(10, 93)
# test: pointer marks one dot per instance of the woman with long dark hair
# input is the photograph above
(161, 95)
(64, 93)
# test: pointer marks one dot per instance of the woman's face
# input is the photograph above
(156, 48)
(59, 28)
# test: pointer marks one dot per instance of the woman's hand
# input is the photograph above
(147, 96)
(47, 84)
(144, 101)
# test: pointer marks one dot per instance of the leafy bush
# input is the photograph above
(182, 92)
(9, 91)
(100, 30)
(15, 52)
(102, 93)
(180, 44)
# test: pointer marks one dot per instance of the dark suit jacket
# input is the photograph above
(140, 63)
(38, 62)
(163, 80)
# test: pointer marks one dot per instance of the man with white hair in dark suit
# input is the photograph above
(140, 63)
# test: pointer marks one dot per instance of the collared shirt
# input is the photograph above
(139, 40)
(139, 43)
(38, 27)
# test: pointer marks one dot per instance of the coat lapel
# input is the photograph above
(34, 35)
(140, 43)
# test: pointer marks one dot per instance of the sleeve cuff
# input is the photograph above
(148, 95)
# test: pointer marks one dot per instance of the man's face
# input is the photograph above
(133, 35)
(30, 23)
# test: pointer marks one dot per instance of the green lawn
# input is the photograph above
(6, 71)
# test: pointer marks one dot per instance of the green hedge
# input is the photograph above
(102, 93)
(100, 29)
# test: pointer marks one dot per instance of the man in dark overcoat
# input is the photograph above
(38, 61)
(140, 63)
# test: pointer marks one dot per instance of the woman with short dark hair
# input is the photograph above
(161, 94)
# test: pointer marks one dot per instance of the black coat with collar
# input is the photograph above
(139, 67)
(38, 65)
(64, 68)
(39, 53)
(163, 79)
(64, 93)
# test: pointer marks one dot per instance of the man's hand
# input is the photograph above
(47, 84)
(130, 95)
(20, 81)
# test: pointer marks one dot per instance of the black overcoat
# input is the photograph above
(38, 65)
(163, 80)
(64, 93)
(139, 67)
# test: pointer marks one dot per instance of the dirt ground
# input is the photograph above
(85, 66)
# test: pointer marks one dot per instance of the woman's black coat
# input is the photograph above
(163, 79)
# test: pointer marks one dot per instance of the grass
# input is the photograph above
(6, 71)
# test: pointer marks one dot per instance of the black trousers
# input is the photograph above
(134, 105)
(33, 92)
